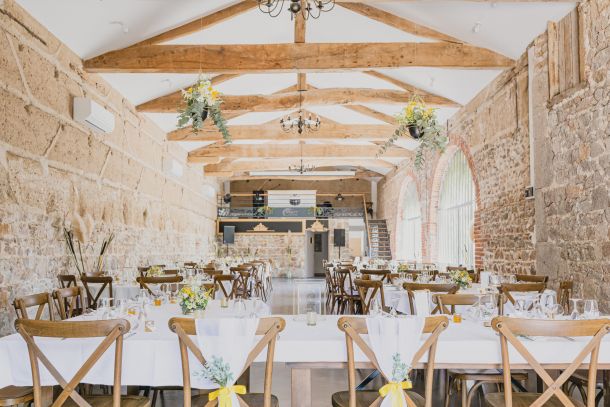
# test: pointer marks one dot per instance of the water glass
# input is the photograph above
(591, 309)
(576, 308)
(374, 308)
(239, 308)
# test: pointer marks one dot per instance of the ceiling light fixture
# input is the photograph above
(300, 123)
(307, 8)
(301, 168)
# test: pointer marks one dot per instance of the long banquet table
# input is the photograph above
(152, 358)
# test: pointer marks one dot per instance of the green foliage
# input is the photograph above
(400, 370)
(216, 371)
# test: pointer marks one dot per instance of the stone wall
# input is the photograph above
(564, 231)
(55, 172)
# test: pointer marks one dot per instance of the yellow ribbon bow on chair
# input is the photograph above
(224, 395)
(394, 389)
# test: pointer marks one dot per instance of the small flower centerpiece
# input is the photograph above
(202, 100)
(154, 271)
(403, 268)
(193, 298)
(219, 372)
(420, 122)
(461, 278)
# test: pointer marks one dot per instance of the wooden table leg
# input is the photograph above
(606, 374)
(46, 396)
(301, 387)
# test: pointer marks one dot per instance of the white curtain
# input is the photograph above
(456, 215)
(410, 228)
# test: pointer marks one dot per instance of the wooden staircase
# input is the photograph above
(379, 239)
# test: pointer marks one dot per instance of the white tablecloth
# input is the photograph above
(154, 358)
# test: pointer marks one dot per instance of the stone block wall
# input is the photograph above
(565, 231)
(54, 172)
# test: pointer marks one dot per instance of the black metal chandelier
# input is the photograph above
(301, 168)
(300, 123)
(307, 8)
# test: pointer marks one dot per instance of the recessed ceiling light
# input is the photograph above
(476, 28)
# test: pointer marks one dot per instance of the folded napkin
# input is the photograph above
(227, 341)
(394, 342)
(421, 300)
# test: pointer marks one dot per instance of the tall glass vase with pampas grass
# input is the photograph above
(75, 243)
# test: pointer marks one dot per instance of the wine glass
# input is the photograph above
(374, 308)
(239, 308)
(591, 309)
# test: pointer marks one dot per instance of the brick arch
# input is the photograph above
(410, 177)
(456, 144)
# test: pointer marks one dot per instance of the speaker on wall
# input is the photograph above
(339, 237)
(228, 235)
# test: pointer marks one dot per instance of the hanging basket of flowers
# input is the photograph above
(200, 102)
(419, 122)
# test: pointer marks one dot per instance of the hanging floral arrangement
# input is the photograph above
(420, 123)
(202, 100)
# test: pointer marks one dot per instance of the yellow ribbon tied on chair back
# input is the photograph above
(394, 389)
(224, 395)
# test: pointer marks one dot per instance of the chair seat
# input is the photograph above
(484, 375)
(106, 401)
(524, 400)
(12, 395)
(251, 399)
(364, 398)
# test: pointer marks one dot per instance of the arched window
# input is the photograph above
(409, 247)
(456, 215)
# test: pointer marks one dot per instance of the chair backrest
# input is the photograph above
(511, 328)
(368, 290)
(111, 330)
(70, 301)
(456, 268)
(268, 328)
(432, 287)
(243, 283)
(105, 281)
(145, 281)
(40, 300)
(508, 289)
(344, 278)
(220, 282)
(355, 327)
(190, 264)
(377, 274)
(416, 273)
(453, 300)
(211, 288)
(529, 278)
(173, 272)
(566, 288)
(66, 280)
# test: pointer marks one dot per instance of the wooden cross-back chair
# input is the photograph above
(40, 300)
(350, 298)
(268, 328)
(190, 264)
(211, 288)
(530, 278)
(381, 275)
(511, 328)
(432, 287)
(13, 396)
(566, 288)
(336, 293)
(242, 282)
(508, 289)
(222, 280)
(258, 286)
(145, 281)
(354, 328)
(111, 330)
(211, 271)
(369, 290)
(452, 300)
(66, 280)
(69, 301)
(105, 281)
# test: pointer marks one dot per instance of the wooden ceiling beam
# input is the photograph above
(399, 23)
(284, 163)
(410, 88)
(358, 174)
(294, 150)
(292, 100)
(199, 24)
(272, 131)
(307, 57)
